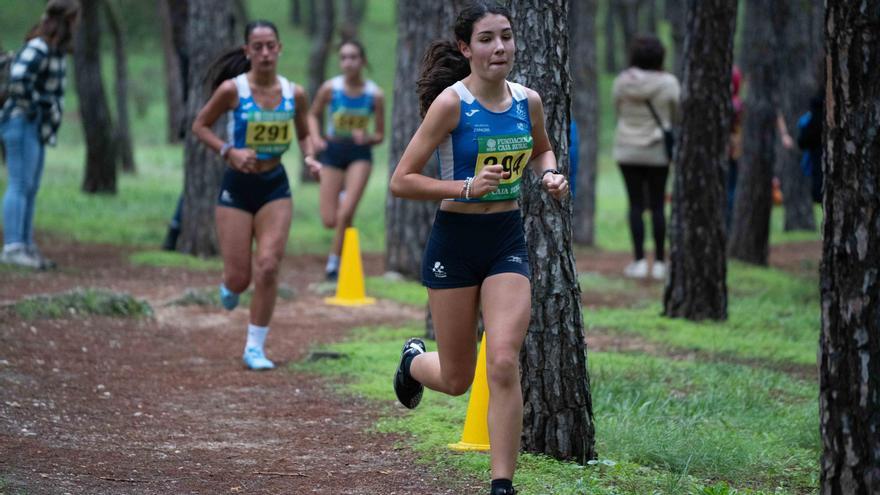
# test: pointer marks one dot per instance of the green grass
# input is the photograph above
(80, 302)
(669, 426)
(773, 317)
(405, 292)
(175, 260)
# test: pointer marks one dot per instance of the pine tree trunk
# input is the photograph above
(585, 111)
(750, 233)
(209, 33)
(352, 15)
(696, 286)
(558, 412)
(611, 65)
(628, 16)
(800, 48)
(676, 12)
(649, 7)
(849, 345)
(325, 17)
(296, 13)
(172, 20)
(100, 174)
(408, 222)
(124, 146)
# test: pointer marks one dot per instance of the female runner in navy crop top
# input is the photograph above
(485, 131)
(254, 202)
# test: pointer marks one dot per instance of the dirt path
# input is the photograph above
(163, 405)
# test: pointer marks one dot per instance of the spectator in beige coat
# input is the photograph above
(645, 97)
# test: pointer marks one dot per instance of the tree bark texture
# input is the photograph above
(408, 222)
(585, 111)
(321, 39)
(628, 17)
(172, 19)
(696, 287)
(611, 65)
(800, 49)
(100, 173)
(296, 13)
(209, 33)
(849, 345)
(124, 146)
(352, 16)
(750, 232)
(676, 12)
(558, 411)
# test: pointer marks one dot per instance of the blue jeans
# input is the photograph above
(24, 159)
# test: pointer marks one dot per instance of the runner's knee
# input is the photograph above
(266, 267)
(458, 383)
(503, 369)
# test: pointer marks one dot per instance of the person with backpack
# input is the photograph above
(29, 119)
(646, 100)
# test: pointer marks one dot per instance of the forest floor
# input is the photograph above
(162, 404)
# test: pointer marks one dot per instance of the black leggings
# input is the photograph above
(646, 188)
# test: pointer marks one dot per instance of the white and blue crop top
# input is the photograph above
(346, 113)
(268, 132)
(484, 137)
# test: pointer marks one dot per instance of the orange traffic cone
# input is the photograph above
(350, 286)
(475, 434)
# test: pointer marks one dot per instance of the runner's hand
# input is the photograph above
(314, 166)
(556, 185)
(488, 180)
(319, 144)
(242, 159)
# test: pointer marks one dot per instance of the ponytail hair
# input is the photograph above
(444, 64)
(227, 66)
(234, 62)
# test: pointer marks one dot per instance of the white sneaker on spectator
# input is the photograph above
(658, 270)
(636, 269)
(19, 256)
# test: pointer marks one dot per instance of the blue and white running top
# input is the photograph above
(268, 132)
(484, 137)
(347, 113)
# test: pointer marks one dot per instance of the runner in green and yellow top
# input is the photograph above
(486, 131)
(347, 144)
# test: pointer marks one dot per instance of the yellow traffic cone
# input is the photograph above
(475, 435)
(350, 285)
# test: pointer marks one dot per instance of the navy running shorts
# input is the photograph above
(341, 154)
(464, 249)
(250, 192)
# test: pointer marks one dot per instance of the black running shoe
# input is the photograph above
(408, 390)
(503, 491)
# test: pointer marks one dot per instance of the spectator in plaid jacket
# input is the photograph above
(29, 119)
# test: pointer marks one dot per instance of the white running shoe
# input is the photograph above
(658, 270)
(636, 269)
(19, 256)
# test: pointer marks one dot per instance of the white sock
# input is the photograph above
(256, 336)
(332, 263)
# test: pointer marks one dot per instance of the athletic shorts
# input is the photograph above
(250, 192)
(341, 154)
(464, 249)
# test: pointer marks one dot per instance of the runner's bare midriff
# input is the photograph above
(485, 207)
(266, 165)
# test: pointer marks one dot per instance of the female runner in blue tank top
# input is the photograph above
(486, 131)
(347, 143)
(254, 202)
